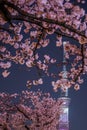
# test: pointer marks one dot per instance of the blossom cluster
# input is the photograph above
(28, 27)
(31, 110)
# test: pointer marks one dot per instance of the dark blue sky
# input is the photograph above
(78, 105)
(16, 82)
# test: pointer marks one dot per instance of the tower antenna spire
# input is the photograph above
(64, 89)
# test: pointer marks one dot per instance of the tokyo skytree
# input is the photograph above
(64, 108)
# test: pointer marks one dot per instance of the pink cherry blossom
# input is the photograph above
(5, 73)
(76, 87)
(31, 27)
(33, 110)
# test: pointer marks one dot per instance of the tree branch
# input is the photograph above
(21, 18)
(25, 115)
(41, 19)
(5, 13)
(34, 52)
(59, 32)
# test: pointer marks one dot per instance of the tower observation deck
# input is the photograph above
(64, 108)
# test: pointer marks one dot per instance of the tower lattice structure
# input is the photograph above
(64, 108)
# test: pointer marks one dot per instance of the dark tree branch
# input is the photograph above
(59, 32)
(25, 115)
(5, 13)
(27, 127)
(41, 19)
(21, 18)
(35, 49)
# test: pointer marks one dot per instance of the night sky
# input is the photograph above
(16, 82)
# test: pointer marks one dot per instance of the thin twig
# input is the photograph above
(34, 51)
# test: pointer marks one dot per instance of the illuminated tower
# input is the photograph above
(64, 108)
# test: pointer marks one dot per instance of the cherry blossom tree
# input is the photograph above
(26, 26)
(29, 111)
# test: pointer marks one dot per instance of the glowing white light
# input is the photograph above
(64, 43)
(66, 110)
(64, 115)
